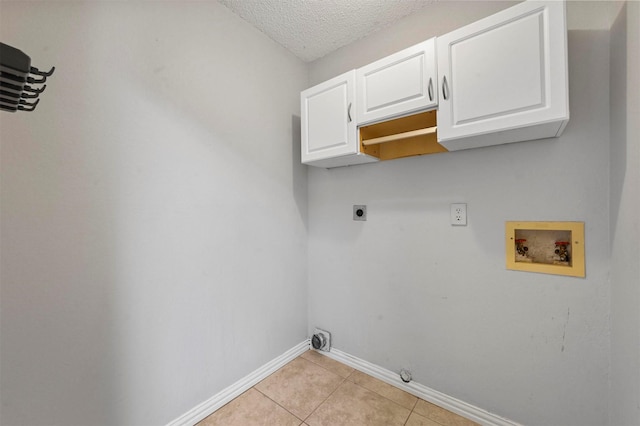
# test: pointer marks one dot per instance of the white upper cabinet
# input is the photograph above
(501, 79)
(504, 78)
(328, 125)
(398, 84)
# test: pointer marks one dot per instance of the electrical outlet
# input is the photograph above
(360, 212)
(459, 214)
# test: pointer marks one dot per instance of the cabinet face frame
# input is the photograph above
(477, 100)
(575, 230)
(328, 123)
(399, 84)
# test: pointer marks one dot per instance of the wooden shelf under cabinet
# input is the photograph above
(402, 137)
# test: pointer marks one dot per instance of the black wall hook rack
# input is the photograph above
(15, 72)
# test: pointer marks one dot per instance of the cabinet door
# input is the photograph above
(399, 84)
(328, 119)
(504, 73)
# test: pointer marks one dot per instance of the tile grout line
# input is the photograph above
(388, 399)
(342, 382)
(411, 411)
(274, 401)
(353, 370)
(362, 387)
(328, 396)
(323, 401)
(278, 404)
(344, 379)
(427, 417)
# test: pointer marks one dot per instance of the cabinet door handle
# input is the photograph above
(349, 113)
(445, 88)
(430, 89)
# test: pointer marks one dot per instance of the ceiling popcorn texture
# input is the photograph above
(311, 29)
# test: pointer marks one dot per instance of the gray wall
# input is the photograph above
(407, 290)
(625, 218)
(137, 279)
(153, 211)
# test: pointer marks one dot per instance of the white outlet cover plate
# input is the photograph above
(459, 214)
(359, 212)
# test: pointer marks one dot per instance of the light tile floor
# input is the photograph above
(315, 390)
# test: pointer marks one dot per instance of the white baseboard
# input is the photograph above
(469, 411)
(207, 407)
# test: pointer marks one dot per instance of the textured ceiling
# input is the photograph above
(313, 28)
